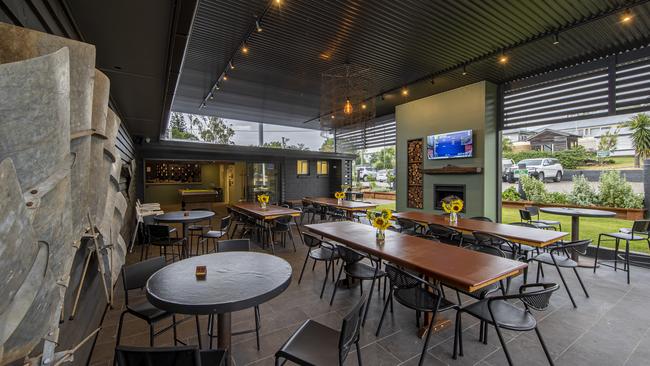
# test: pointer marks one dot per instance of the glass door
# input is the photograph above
(262, 178)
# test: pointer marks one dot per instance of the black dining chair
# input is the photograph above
(236, 245)
(445, 232)
(215, 235)
(527, 217)
(317, 344)
(144, 233)
(134, 277)
(500, 312)
(319, 251)
(559, 255)
(159, 236)
(638, 232)
(168, 356)
(308, 211)
(534, 211)
(196, 230)
(409, 227)
(282, 226)
(481, 218)
(355, 269)
(417, 294)
(516, 251)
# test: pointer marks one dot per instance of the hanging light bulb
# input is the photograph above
(503, 59)
(244, 49)
(211, 96)
(348, 106)
(627, 16)
(363, 106)
(405, 91)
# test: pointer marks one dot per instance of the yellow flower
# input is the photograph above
(452, 204)
(386, 214)
(339, 195)
(263, 198)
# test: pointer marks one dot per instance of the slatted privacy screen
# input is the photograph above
(380, 133)
(618, 84)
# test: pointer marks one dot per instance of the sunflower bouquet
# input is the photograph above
(452, 205)
(339, 196)
(263, 199)
(381, 222)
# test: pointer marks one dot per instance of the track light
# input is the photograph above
(244, 49)
(627, 16)
(464, 70)
(405, 91)
(225, 77)
(211, 97)
(216, 87)
(503, 59)
(332, 116)
(257, 26)
(556, 39)
(232, 66)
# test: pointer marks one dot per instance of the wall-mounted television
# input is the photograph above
(450, 145)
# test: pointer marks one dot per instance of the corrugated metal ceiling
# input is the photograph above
(404, 42)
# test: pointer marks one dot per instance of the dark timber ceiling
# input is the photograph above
(402, 41)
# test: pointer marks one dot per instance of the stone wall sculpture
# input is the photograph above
(59, 171)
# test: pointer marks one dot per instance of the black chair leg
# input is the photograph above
(372, 287)
(198, 331)
(627, 259)
(541, 340)
(580, 280)
(426, 341)
(383, 313)
(503, 344)
(303, 267)
(616, 255)
(597, 250)
(151, 334)
(458, 340)
(256, 310)
(174, 330)
(358, 354)
(327, 272)
(335, 285)
(119, 329)
(565, 286)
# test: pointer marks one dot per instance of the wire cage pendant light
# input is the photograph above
(346, 100)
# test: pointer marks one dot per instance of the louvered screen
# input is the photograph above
(597, 89)
(380, 133)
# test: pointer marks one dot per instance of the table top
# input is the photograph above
(197, 191)
(270, 212)
(459, 267)
(234, 281)
(519, 234)
(179, 216)
(571, 211)
(345, 205)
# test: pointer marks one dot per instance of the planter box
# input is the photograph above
(379, 195)
(621, 213)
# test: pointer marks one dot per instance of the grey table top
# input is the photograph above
(179, 216)
(234, 281)
(583, 212)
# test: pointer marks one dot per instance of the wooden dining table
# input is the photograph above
(519, 234)
(348, 206)
(265, 215)
(456, 267)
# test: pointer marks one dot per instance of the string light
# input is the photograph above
(363, 106)
(244, 49)
(348, 106)
(503, 59)
(627, 16)
(225, 77)
(405, 91)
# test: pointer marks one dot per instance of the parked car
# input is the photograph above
(382, 175)
(541, 169)
(364, 173)
(506, 170)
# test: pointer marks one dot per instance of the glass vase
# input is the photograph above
(381, 236)
(339, 201)
(263, 205)
(453, 218)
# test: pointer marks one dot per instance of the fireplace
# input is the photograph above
(441, 191)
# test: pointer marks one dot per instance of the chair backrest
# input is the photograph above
(310, 240)
(306, 203)
(488, 249)
(525, 215)
(484, 238)
(283, 222)
(225, 223)
(158, 356)
(350, 329)
(234, 245)
(641, 226)
(348, 255)
(481, 218)
(158, 232)
(441, 231)
(406, 224)
(136, 275)
(534, 210)
(149, 220)
(524, 224)
(538, 299)
(400, 279)
(578, 247)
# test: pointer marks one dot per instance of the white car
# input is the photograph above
(364, 173)
(382, 175)
(541, 169)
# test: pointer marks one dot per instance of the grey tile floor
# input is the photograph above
(612, 327)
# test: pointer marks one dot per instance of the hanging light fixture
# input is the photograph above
(244, 49)
(232, 66)
(503, 59)
(225, 77)
(343, 87)
(627, 16)
(348, 106)
(405, 91)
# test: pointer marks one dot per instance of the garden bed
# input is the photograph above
(621, 213)
(379, 195)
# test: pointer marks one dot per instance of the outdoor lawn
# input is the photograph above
(589, 227)
(620, 162)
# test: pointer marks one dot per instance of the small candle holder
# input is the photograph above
(201, 272)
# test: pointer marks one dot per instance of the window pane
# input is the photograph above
(322, 167)
(302, 167)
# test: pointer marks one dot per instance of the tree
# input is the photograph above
(284, 145)
(506, 145)
(328, 145)
(383, 159)
(608, 141)
(640, 127)
(216, 130)
(179, 128)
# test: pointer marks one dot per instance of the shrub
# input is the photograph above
(557, 197)
(615, 191)
(582, 193)
(531, 154)
(510, 194)
(534, 189)
(572, 158)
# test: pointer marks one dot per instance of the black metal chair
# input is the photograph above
(355, 269)
(501, 313)
(159, 236)
(307, 209)
(638, 232)
(514, 250)
(215, 235)
(195, 231)
(417, 294)
(236, 245)
(445, 232)
(135, 276)
(144, 233)
(316, 344)
(168, 356)
(409, 227)
(534, 211)
(559, 255)
(319, 250)
(481, 218)
(282, 226)
(527, 217)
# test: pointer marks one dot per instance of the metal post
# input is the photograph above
(646, 185)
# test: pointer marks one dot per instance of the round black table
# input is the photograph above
(234, 281)
(576, 214)
(185, 218)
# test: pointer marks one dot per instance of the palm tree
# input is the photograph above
(640, 126)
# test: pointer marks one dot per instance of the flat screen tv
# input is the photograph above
(450, 145)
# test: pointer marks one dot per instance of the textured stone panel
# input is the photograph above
(98, 172)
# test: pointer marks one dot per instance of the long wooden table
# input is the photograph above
(267, 214)
(519, 234)
(348, 206)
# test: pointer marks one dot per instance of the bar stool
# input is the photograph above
(638, 232)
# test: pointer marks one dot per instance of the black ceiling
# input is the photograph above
(402, 41)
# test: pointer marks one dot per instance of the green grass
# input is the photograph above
(589, 227)
(620, 162)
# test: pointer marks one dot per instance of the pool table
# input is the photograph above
(199, 195)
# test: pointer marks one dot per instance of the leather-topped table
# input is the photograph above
(519, 234)
(458, 267)
(234, 281)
